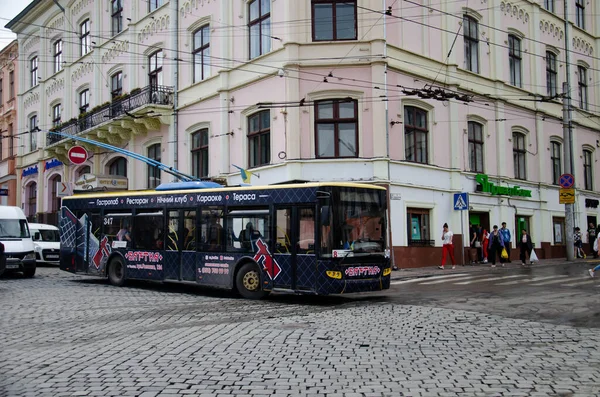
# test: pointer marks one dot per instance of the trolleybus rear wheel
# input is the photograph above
(247, 282)
(116, 272)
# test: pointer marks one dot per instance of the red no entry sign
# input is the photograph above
(77, 155)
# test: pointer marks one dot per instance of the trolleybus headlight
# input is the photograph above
(334, 274)
(387, 271)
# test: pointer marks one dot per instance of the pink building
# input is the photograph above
(9, 73)
(381, 92)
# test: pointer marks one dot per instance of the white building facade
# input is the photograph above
(381, 92)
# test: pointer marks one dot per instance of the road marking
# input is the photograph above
(579, 283)
(414, 280)
(490, 279)
(548, 282)
(532, 280)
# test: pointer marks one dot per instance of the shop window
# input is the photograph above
(418, 227)
(558, 230)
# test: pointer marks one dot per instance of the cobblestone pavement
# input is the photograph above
(62, 335)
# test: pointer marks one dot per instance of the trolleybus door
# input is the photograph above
(180, 246)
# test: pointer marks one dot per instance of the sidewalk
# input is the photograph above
(484, 267)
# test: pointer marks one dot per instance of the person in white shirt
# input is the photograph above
(447, 247)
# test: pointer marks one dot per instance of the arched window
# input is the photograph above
(551, 73)
(583, 87)
(118, 167)
(514, 60)
(519, 155)
(200, 153)
(32, 200)
(415, 134)
(84, 170)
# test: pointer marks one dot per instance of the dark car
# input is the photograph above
(2, 259)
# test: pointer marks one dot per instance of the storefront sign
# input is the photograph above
(591, 203)
(105, 182)
(29, 171)
(489, 187)
(51, 164)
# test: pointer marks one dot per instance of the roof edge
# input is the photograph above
(19, 16)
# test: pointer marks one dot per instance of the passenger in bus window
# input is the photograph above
(248, 237)
(123, 234)
(214, 235)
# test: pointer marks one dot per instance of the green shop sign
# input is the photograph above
(489, 187)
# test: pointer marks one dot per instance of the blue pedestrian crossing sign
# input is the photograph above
(461, 201)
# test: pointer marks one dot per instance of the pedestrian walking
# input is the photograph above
(507, 239)
(594, 270)
(447, 247)
(484, 245)
(578, 243)
(495, 245)
(592, 239)
(525, 247)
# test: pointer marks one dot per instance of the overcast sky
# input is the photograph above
(8, 10)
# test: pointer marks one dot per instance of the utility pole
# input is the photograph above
(568, 140)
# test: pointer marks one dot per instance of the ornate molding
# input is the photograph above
(552, 29)
(187, 8)
(136, 128)
(116, 50)
(31, 99)
(583, 45)
(158, 24)
(83, 69)
(514, 11)
(55, 86)
(150, 123)
(29, 44)
(55, 25)
(79, 6)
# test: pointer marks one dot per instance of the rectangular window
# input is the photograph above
(212, 233)
(558, 229)
(336, 128)
(11, 85)
(153, 172)
(475, 147)
(56, 115)
(259, 139)
(583, 88)
(514, 60)
(154, 4)
(519, 153)
(155, 63)
(84, 101)
(201, 54)
(259, 25)
(200, 153)
(116, 16)
(1, 93)
(116, 85)
(471, 38)
(580, 13)
(551, 74)
(245, 227)
(147, 231)
(11, 143)
(334, 20)
(33, 71)
(587, 170)
(555, 158)
(32, 202)
(33, 123)
(58, 56)
(85, 40)
(549, 5)
(418, 227)
(415, 134)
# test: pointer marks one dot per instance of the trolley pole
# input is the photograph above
(568, 140)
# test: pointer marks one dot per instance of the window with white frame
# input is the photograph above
(58, 55)
(33, 72)
(201, 53)
(259, 25)
(515, 60)
(85, 40)
(33, 123)
(116, 16)
(154, 4)
(155, 63)
(549, 5)
(84, 101)
(56, 115)
(116, 85)
(471, 38)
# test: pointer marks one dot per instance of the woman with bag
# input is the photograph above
(525, 246)
(484, 245)
(496, 245)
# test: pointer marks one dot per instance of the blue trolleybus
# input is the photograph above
(314, 238)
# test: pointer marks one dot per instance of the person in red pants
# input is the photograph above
(447, 247)
(484, 245)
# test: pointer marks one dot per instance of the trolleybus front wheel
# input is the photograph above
(247, 282)
(116, 272)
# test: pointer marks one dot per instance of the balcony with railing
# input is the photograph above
(103, 114)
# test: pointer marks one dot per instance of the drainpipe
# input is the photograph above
(387, 136)
(175, 140)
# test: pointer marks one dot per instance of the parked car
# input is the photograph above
(46, 243)
(2, 259)
(18, 245)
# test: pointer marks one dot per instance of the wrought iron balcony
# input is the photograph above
(152, 94)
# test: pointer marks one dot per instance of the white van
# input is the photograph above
(18, 245)
(46, 243)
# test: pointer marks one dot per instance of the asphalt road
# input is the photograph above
(503, 332)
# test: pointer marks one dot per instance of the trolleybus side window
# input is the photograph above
(283, 231)
(212, 232)
(245, 227)
(189, 224)
(147, 229)
(116, 225)
(306, 237)
(172, 242)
